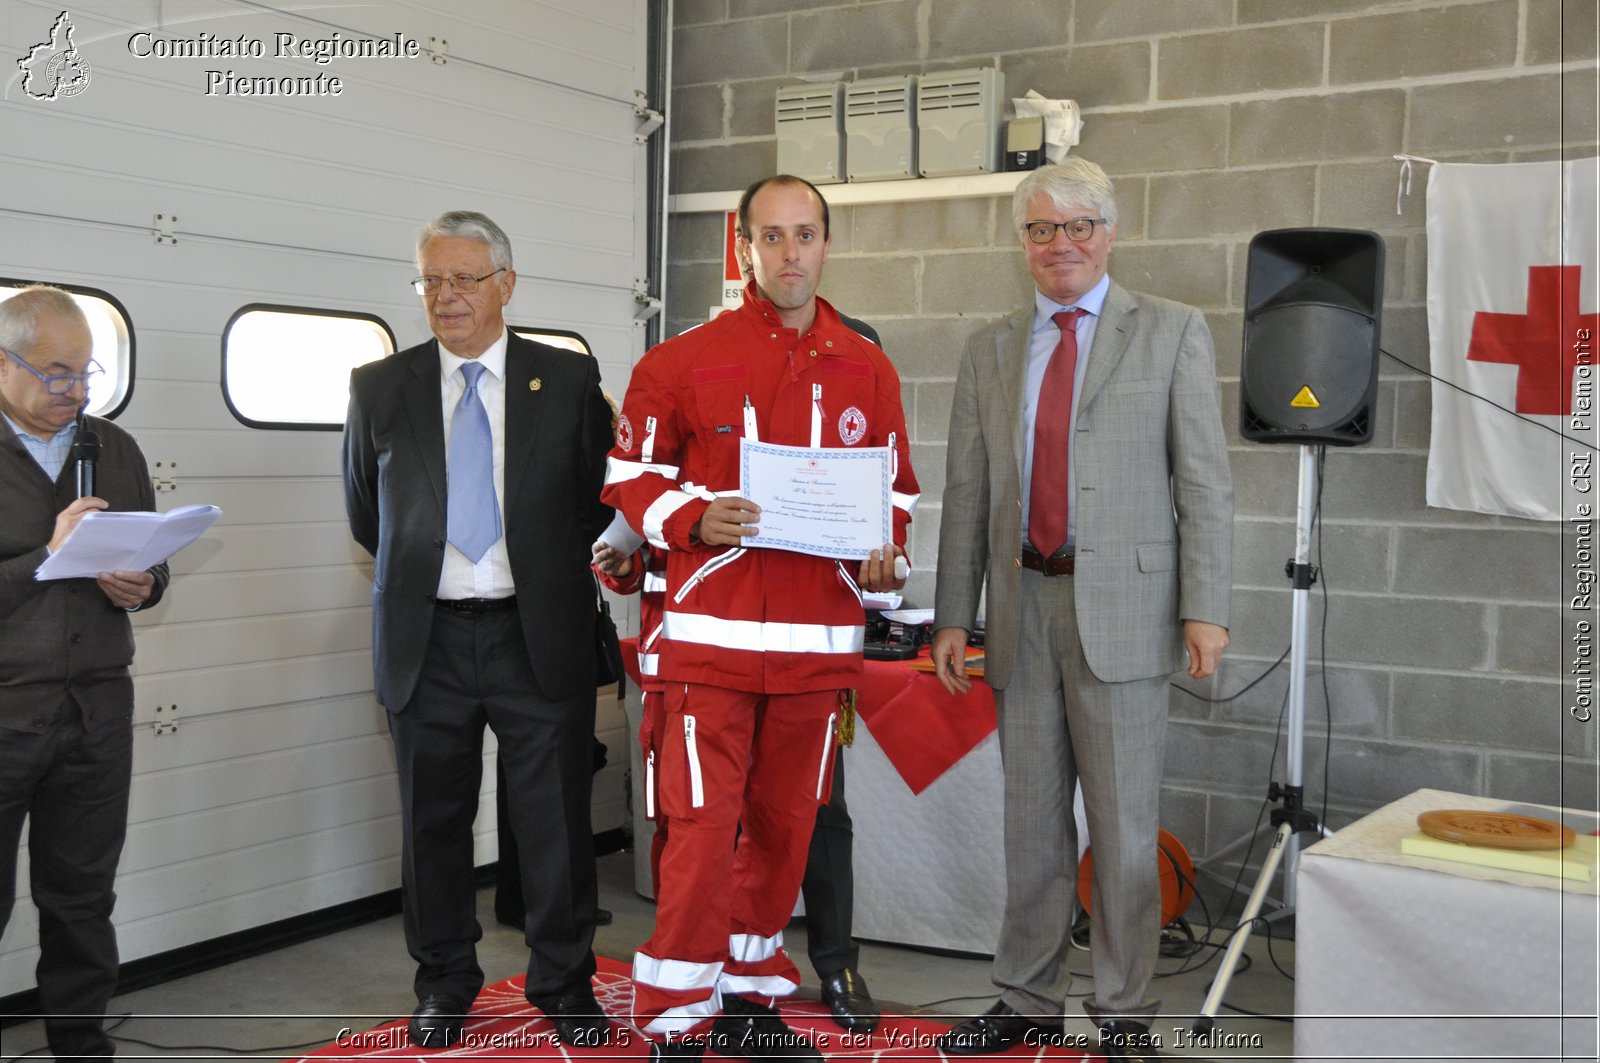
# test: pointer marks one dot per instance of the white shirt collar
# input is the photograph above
(493, 359)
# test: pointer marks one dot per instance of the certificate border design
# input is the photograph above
(750, 446)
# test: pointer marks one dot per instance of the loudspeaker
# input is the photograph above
(1313, 301)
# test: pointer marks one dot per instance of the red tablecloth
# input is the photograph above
(922, 729)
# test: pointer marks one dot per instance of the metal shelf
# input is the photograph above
(841, 195)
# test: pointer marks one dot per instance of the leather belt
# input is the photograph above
(474, 606)
(1055, 565)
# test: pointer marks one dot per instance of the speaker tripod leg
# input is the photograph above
(1219, 986)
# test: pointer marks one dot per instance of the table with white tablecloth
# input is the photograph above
(1402, 956)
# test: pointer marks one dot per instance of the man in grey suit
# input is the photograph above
(472, 472)
(1106, 558)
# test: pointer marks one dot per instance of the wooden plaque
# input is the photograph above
(1495, 830)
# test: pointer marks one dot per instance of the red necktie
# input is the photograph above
(1052, 429)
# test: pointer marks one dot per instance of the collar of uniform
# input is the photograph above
(825, 327)
(762, 306)
(493, 359)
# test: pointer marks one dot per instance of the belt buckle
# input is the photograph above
(475, 606)
(1054, 565)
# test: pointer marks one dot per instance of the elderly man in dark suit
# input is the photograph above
(1088, 482)
(66, 694)
(472, 471)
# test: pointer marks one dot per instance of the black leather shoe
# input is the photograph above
(1128, 1040)
(995, 1031)
(753, 1031)
(578, 1017)
(437, 1022)
(850, 1002)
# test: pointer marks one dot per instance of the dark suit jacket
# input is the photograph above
(556, 438)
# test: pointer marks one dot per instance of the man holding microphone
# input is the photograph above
(66, 694)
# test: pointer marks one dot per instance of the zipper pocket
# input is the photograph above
(650, 785)
(827, 753)
(697, 793)
(733, 553)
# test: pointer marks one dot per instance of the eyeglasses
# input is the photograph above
(1079, 229)
(460, 283)
(59, 383)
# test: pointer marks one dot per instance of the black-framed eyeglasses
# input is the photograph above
(1078, 229)
(58, 383)
(460, 283)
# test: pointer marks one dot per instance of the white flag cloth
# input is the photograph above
(1512, 282)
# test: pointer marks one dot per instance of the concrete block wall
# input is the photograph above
(1436, 654)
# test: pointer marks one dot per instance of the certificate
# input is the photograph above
(831, 502)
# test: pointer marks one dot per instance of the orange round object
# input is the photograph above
(1495, 830)
(1177, 877)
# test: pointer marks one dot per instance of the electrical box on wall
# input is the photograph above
(881, 128)
(959, 118)
(809, 120)
(1024, 142)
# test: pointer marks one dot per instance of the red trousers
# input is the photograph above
(726, 758)
(652, 731)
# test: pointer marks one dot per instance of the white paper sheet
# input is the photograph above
(133, 542)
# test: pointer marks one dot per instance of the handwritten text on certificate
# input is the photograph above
(831, 502)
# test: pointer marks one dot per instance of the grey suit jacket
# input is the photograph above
(1154, 502)
(556, 438)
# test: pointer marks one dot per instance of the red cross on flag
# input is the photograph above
(1513, 315)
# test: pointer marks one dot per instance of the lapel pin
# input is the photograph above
(535, 384)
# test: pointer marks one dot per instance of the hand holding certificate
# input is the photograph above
(831, 502)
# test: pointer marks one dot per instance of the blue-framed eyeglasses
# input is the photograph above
(58, 383)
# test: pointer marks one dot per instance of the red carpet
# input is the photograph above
(504, 1026)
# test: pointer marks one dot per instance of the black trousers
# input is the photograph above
(829, 885)
(508, 906)
(476, 673)
(73, 784)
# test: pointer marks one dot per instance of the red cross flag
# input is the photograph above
(1512, 316)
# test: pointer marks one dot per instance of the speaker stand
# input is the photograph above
(1290, 817)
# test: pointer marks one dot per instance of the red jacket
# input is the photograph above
(763, 620)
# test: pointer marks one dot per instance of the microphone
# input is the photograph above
(85, 451)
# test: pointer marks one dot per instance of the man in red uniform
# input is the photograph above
(756, 645)
(627, 565)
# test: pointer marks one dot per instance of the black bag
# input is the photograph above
(607, 646)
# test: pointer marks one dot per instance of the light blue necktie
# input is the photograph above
(472, 513)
